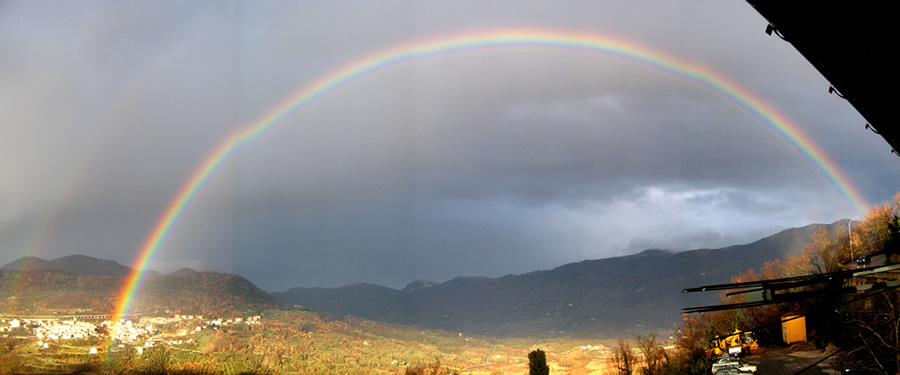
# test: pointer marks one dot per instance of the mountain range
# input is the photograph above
(613, 296)
(610, 297)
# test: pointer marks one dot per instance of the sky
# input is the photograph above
(482, 162)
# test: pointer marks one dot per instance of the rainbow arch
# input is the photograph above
(601, 45)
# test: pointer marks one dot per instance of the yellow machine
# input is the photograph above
(735, 344)
(748, 343)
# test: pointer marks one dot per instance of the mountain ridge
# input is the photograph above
(77, 264)
(632, 293)
(611, 296)
(45, 291)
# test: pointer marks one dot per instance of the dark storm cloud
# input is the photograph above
(483, 162)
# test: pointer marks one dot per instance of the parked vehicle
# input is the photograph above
(863, 260)
(729, 362)
(731, 371)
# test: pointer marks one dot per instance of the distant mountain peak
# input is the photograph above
(78, 264)
(420, 284)
(654, 252)
(182, 271)
(24, 263)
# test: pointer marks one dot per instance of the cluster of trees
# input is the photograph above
(650, 357)
(433, 368)
(863, 325)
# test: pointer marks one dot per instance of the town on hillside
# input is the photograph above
(140, 333)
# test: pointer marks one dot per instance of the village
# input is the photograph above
(140, 333)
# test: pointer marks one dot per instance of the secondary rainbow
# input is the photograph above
(608, 47)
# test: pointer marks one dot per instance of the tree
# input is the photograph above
(655, 357)
(695, 335)
(870, 334)
(873, 231)
(624, 358)
(537, 363)
(825, 250)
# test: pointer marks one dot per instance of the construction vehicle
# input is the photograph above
(735, 344)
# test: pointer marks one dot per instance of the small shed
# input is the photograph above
(793, 328)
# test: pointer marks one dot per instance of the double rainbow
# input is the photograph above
(615, 48)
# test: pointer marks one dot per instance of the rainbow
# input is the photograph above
(616, 48)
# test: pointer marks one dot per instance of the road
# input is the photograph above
(784, 361)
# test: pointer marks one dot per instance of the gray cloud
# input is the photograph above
(483, 162)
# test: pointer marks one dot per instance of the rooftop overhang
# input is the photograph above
(850, 43)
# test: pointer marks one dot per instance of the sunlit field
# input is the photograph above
(295, 341)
